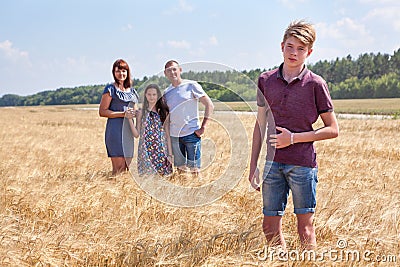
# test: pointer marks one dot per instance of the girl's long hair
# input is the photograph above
(161, 107)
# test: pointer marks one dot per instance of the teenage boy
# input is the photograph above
(295, 97)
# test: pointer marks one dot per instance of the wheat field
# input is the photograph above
(59, 206)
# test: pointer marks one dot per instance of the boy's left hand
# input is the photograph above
(282, 139)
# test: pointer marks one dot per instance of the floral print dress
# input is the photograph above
(152, 150)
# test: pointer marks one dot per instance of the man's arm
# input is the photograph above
(209, 108)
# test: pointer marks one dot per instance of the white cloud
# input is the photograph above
(379, 2)
(211, 41)
(127, 27)
(389, 14)
(73, 71)
(341, 38)
(292, 3)
(346, 31)
(74, 64)
(368, 26)
(179, 44)
(183, 7)
(199, 49)
(14, 54)
(199, 52)
(12, 59)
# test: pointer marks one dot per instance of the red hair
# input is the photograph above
(122, 65)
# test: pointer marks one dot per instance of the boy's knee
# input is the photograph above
(271, 227)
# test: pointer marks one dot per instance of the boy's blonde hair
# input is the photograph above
(302, 30)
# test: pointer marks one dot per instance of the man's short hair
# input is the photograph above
(169, 63)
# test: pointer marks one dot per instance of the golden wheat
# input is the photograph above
(60, 207)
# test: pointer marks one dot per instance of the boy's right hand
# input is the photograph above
(255, 179)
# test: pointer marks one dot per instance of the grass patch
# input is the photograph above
(59, 207)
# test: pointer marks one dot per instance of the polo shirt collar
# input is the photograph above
(299, 77)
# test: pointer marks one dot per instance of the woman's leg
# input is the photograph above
(118, 165)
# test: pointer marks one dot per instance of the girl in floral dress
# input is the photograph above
(154, 150)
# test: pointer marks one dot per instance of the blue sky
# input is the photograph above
(48, 44)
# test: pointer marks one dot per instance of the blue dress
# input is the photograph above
(118, 137)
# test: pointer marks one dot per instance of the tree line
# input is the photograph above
(368, 76)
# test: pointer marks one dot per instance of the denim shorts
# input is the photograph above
(187, 150)
(279, 179)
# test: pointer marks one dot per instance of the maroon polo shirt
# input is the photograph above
(295, 106)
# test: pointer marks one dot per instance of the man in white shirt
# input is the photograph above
(182, 97)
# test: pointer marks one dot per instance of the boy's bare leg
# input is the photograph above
(306, 230)
(272, 227)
